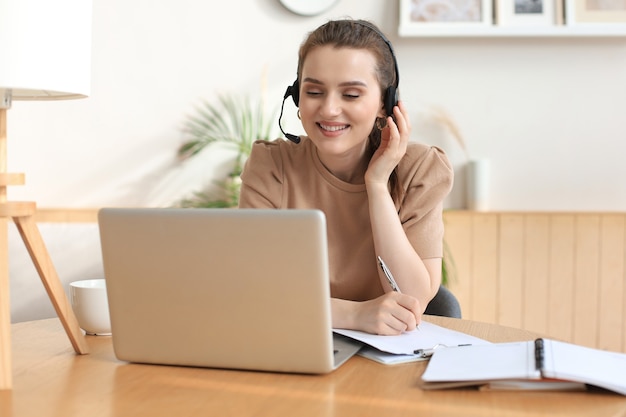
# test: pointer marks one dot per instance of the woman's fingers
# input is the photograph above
(391, 314)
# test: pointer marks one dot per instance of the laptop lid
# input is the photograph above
(225, 288)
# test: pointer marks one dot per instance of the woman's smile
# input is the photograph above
(333, 129)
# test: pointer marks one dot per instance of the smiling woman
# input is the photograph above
(381, 195)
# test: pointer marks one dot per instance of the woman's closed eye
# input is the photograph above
(348, 96)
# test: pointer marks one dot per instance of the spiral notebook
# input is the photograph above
(538, 364)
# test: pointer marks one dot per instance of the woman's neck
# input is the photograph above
(348, 168)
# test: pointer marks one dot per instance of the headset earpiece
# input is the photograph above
(390, 99)
(295, 92)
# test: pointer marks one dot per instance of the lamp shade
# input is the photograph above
(45, 49)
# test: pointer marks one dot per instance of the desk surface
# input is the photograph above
(51, 380)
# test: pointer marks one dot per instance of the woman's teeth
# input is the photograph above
(333, 128)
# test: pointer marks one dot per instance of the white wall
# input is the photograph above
(547, 112)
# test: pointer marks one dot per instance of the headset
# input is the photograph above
(390, 97)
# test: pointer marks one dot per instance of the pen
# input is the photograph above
(427, 353)
(392, 281)
(387, 272)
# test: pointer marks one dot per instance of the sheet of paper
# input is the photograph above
(592, 366)
(388, 358)
(428, 336)
(484, 363)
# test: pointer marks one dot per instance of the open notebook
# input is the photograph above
(225, 288)
(539, 364)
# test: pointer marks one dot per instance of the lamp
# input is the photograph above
(45, 54)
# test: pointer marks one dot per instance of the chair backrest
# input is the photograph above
(444, 304)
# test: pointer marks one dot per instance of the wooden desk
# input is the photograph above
(51, 380)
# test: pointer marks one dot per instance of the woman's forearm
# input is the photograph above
(392, 245)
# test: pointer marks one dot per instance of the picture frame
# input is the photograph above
(585, 12)
(422, 16)
(528, 12)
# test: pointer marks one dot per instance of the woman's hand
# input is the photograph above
(394, 140)
(389, 314)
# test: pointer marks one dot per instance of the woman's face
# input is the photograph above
(340, 99)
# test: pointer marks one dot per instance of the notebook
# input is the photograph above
(540, 364)
(222, 288)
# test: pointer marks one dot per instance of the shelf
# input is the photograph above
(580, 30)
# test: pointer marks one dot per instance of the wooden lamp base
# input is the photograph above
(22, 215)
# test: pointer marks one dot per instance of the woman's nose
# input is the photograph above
(331, 106)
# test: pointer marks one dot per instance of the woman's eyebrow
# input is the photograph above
(343, 84)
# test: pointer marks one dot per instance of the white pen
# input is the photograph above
(392, 282)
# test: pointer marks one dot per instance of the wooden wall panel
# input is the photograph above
(558, 274)
(511, 269)
(586, 279)
(458, 243)
(611, 284)
(536, 306)
(484, 268)
(561, 272)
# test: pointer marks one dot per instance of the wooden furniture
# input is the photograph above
(50, 380)
(22, 215)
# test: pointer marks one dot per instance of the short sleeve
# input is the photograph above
(426, 176)
(262, 177)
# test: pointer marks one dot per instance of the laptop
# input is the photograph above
(223, 288)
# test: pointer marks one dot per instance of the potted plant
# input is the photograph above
(234, 121)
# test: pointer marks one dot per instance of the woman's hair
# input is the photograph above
(359, 34)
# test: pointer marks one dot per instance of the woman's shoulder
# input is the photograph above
(263, 145)
(417, 152)
(424, 160)
(280, 153)
(278, 146)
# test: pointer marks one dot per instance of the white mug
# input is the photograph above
(90, 305)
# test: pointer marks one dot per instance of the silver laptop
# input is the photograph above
(224, 288)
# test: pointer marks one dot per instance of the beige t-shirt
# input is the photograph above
(282, 174)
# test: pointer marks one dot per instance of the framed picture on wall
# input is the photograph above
(528, 12)
(417, 16)
(595, 11)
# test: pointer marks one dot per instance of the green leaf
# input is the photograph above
(232, 120)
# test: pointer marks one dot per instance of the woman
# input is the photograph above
(381, 195)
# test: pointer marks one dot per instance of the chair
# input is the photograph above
(444, 304)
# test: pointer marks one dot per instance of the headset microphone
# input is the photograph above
(291, 137)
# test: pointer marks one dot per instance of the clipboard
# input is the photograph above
(410, 346)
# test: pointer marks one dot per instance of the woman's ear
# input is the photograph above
(382, 113)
